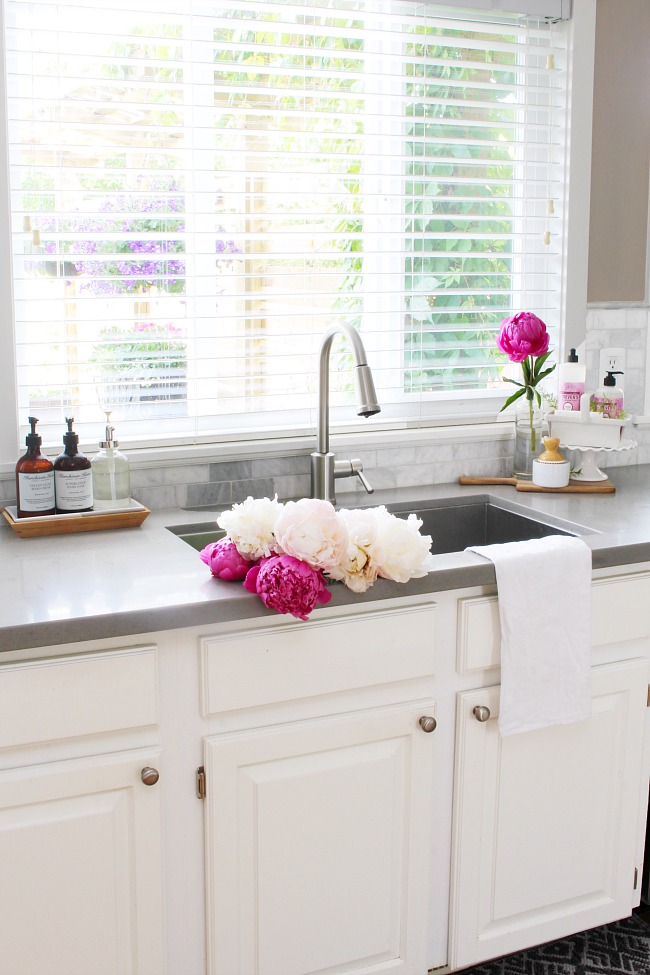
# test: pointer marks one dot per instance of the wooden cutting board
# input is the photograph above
(573, 487)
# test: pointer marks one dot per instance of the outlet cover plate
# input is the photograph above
(611, 360)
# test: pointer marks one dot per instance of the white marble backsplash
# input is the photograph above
(213, 485)
(624, 327)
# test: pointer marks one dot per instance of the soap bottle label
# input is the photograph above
(569, 396)
(611, 406)
(74, 490)
(36, 491)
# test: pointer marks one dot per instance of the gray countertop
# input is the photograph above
(94, 585)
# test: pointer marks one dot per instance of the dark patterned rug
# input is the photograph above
(621, 948)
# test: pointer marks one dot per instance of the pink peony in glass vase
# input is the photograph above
(524, 339)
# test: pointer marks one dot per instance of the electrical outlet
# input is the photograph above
(611, 360)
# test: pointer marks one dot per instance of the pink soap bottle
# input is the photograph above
(608, 399)
(572, 377)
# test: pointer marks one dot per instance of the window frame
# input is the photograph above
(460, 410)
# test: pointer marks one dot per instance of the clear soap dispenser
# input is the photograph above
(111, 476)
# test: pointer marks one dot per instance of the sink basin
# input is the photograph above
(198, 535)
(453, 524)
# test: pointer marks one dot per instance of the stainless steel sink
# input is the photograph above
(453, 524)
(198, 535)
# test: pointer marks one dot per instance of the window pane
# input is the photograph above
(200, 191)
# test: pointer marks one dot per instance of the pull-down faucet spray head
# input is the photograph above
(366, 395)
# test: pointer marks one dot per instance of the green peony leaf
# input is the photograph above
(511, 399)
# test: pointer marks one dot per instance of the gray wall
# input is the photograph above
(620, 152)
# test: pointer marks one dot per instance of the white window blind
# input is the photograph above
(199, 188)
(553, 10)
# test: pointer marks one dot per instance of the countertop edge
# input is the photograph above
(40, 578)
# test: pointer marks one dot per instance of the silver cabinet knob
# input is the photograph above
(427, 723)
(149, 775)
(481, 713)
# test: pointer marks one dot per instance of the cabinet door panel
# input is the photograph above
(316, 836)
(546, 822)
(80, 885)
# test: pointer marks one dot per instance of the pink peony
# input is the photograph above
(522, 335)
(311, 530)
(288, 585)
(224, 561)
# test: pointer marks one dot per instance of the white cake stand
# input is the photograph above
(587, 466)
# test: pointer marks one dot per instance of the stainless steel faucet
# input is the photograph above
(324, 466)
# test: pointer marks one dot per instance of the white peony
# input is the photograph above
(359, 565)
(405, 552)
(251, 526)
(310, 530)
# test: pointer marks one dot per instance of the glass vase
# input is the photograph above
(529, 421)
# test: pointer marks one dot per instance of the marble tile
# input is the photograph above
(211, 493)
(638, 318)
(292, 486)
(608, 318)
(643, 453)
(635, 338)
(194, 474)
(367, 457)
(396, 456)
(634, 358)
(592, 359)
(480, 467)
(603, 340)
(156, 497)
(280, 466)
(232, 470)
(444, 453)
(416, 475)
(433, 453)
(261, 487)
(8, 492)
(148, 477)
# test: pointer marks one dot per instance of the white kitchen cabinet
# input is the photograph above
(81, 855)
(81, 815)
(317, 836)
(546, 822)
(331, 818)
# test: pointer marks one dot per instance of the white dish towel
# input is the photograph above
(544, 588)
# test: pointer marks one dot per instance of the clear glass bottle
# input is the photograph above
(111, 475)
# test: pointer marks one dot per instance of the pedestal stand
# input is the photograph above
(586, 463)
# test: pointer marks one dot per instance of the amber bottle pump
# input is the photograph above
(73, 477)
(34, 478)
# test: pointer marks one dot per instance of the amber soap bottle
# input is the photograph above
(73, 476)
(34, 479)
